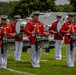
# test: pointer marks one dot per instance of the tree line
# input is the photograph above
(25, 7)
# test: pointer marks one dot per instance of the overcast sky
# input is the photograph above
(62, 2)
(57, 2)
(4, 0)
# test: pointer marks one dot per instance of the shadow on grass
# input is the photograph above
(24, 65)
(21, 64)
(10, 59)
(59, 65)
(51, 59)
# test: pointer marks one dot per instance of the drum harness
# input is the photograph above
(35, 37)
(72, 35)
(2, 39)
(57, 31)
(38, 35)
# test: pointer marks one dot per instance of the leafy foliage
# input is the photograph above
(7, 8)
(4, 8)
(73, 2)
(65, 8)
(25, 7)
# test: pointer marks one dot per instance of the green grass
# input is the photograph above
(48, 65)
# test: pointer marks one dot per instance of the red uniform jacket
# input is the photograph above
(5, 29)
(67, 26)
(31, 26)
(13, 31)
(54, 28)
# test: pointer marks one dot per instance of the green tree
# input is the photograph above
(73, 2)
(59, 8)
(68, 8)
(4, 8)
(12, 7)
(25, 7)
(65, 8)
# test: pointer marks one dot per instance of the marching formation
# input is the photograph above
(63, 31)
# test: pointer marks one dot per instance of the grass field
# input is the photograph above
(49, 66)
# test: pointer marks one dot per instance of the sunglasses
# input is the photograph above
(3, 19)
(58, 16)
(71, 15)
(36, 14)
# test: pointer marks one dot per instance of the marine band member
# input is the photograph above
(67, 28)
(55, 28)
(32, 28)
(18, 41)
(4, 30)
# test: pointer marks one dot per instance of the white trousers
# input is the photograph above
(35, 56)
(69, 55)
(18, 50)
(3, 59)
(58, 46)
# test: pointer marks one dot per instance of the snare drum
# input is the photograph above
(42, 42)
(73, 41)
